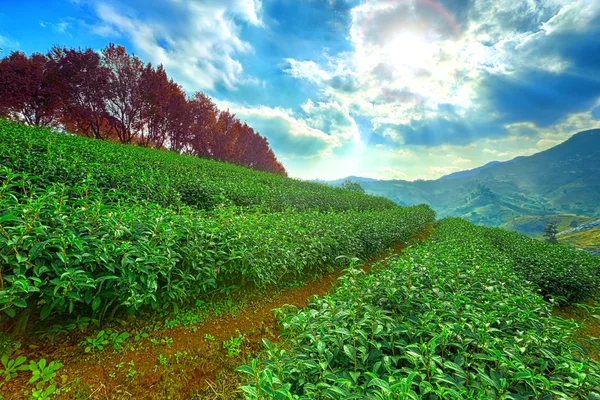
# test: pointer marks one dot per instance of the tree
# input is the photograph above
(85, 88)
(124, 96)
(353, 186)
(550, 233)
(114, 95)
(202, 122)
(30, 89)
(163, 107)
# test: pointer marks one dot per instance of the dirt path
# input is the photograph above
(178, 363)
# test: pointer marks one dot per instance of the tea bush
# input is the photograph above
(449, 319)
(81, 250)
(163, 177)
(566, 274)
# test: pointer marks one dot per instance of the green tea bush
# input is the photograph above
(163, 177)
(448, 319)
(566, 274)
(81, 250)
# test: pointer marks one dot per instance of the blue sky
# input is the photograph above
(389, 89)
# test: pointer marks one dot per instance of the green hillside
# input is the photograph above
(453, 318)
(94, 229)
(164, 177)
(147, 268)
(534, 225)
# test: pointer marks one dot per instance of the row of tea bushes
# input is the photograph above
(448, 319)
(76, 250)
(164, 177)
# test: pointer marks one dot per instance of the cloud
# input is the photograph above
(288, 134)
(390, 173)
(61, 27)
(543, 98)
(7, 44)
(198, 42)
(309, 70)
(333, 118)
(460, 160)
(596, 113)
(444, 170)
(453, 72)
(441, 129)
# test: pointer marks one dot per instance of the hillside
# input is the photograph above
(562, 180)
(585, 236)
(164, 177)
(138, 273)
(114, 246)
(163, 228)
(534, 225)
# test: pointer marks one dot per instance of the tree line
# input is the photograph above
(114, 95)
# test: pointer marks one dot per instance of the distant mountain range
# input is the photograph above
(561, 183)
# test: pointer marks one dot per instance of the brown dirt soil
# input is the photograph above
(196, 367)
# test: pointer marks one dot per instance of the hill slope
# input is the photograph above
(562, 180)
(164, 177)
(90, 228)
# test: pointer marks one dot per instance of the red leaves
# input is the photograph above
(113, 95)
(85, 90)
(30, 89)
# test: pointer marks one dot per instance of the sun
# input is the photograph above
(409, 50)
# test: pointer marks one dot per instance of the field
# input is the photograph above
(587, 240)
(137, 273)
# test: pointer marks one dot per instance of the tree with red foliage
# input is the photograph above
(30, 89)
(116, 94)
(202, 119)
(163, 106)
(124, 97)
(85, 89)
(263, 158)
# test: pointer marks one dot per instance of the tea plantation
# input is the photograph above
(450, 319)
(90, 228)
(163, 177)
(96, 231)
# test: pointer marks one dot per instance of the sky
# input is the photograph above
(386, 89)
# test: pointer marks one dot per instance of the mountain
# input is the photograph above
(469, 172)
(561, 181)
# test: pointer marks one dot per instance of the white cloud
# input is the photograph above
(309, 70)
(61, 27)
(405, 153)
(198, 42)
(8, 44)
(460, 160)
(290, 135)
(334, 118)
(410, 61)
(390, 173)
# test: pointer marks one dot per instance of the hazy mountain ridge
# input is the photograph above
(564, 179)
